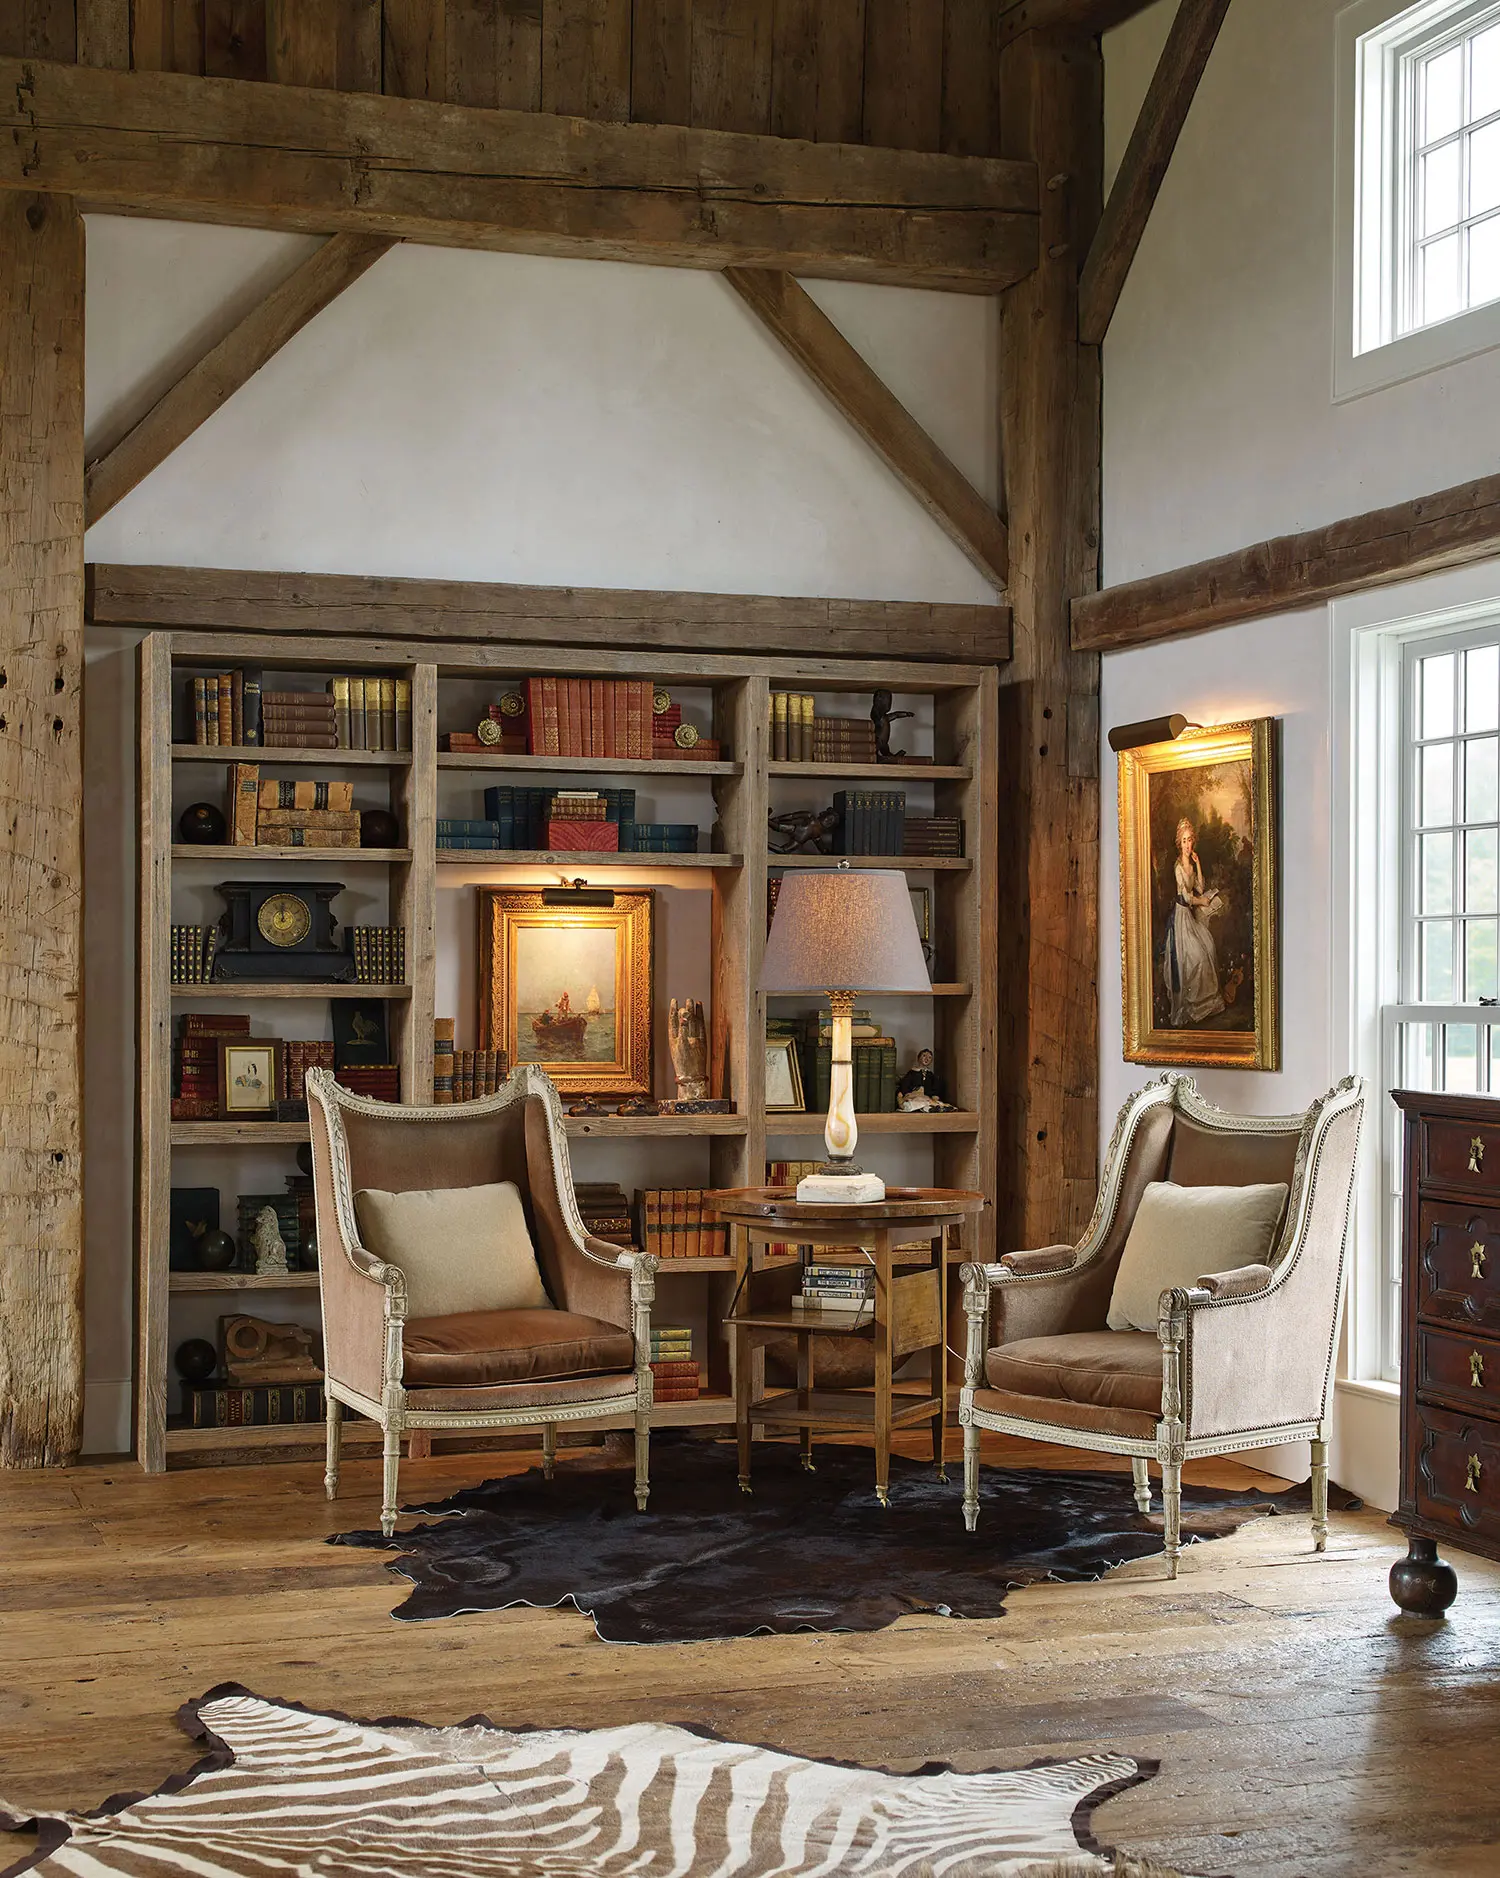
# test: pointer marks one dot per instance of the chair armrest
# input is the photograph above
(362, 1298)
(1248, 1359)
(1048, 1258)
(1243, 1282)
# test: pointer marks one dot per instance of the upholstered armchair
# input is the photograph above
(580, 1353)
(1241, 1359)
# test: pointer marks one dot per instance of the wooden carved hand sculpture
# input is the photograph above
(688, 1032)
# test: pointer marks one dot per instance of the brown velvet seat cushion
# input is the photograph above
(477, 1347)
(1117, 1369)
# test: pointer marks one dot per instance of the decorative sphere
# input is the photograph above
(196, 1360)
(217, 1252)
(203, 823)
(378, 828)
(304, 1158)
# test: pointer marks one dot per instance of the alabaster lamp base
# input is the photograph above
(852, 1189)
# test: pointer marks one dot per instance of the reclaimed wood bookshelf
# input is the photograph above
(737, 793)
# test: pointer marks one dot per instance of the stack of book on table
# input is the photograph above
(837, 1290)
(672, 1365)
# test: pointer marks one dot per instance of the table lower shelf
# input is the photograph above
(841, 1408)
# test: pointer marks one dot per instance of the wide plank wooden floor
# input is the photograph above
(1303, 1725)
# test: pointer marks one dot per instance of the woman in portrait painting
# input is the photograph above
(1190, 964)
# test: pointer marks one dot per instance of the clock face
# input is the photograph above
(284, 919)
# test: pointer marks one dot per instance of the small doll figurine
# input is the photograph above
(921, 1089)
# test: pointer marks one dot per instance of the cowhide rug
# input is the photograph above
(803, 1552)
(285, 1792)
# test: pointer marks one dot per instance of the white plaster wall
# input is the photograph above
(517, 418)
(481, 417)
(1220, 427)
(1219, 430)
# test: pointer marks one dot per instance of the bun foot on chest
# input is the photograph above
(1422, 1583)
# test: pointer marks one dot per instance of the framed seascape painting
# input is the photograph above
(568, 988)
(1199, 913)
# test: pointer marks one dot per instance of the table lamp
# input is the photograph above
(843, 931)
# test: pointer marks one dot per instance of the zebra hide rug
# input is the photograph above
(803, 1552)
(285, 1792)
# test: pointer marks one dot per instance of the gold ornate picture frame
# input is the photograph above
(1199, 898)
(569, 988)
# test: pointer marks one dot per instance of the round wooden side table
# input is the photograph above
(905, 1239)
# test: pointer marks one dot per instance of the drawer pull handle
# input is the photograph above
(1476, 1260)
(1476, 1370)
(1471, 1478)
(1476, 1155)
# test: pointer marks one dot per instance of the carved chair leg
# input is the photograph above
(1171, 1510)
(335, 1442)
(642, 1458)
(1320, 1496)
(971, 1476)
(549, 1449)
(388, 1478)
(1142, 1477)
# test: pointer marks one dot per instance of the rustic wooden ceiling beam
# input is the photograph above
(798, 323)
(1173, 88)
(1448, 529)
(283, 156)
(214, 599)
(227, 366)
(1085, 17)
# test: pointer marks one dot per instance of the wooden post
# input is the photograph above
(41, 849)
(1051, 108)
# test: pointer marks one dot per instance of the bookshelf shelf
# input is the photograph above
(944, 1122)
(270, 756)
(254, 988)
(585, 765)
(300, 857)
(240, 1281)
(910, 863)
(874, 772)
(712, 913)
(527, 857)
(934, 990)
(231, 1134)
(653, 1127)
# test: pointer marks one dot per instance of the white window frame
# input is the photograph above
(1373, 345)
(1374, 637)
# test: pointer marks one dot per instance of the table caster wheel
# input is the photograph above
(883, 1495)
(942, 1474)
(745, 1486)
(809, 1465)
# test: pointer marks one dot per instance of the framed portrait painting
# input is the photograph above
(1199, 911)
(249, 1078)
(568, 988)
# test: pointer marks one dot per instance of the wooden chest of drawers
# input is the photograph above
(1450, 1342)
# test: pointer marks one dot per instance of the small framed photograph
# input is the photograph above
(783, 1077)
(249, 1078)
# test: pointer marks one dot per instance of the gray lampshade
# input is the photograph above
(844, 930)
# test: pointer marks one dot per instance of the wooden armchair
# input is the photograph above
(1240, 1360)
(586, 1357)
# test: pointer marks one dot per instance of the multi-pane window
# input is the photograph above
(1452, 209)
(1444, 1033)
(1427, 168)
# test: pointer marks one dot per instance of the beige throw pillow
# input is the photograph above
(1180, 1232)
(461, 1248)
